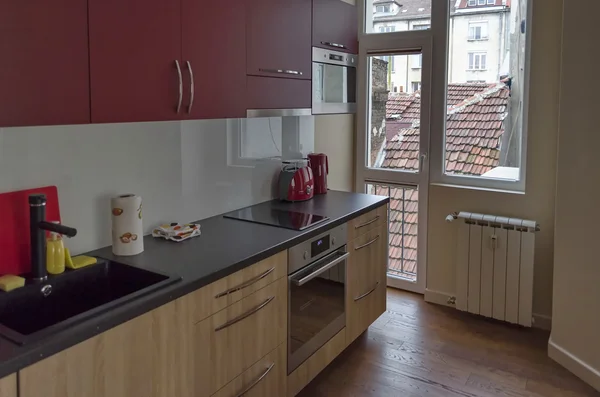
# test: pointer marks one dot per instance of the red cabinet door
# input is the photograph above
(44, 71)
(134, 46)
(279, 38)
(214, 44)
(335, 25)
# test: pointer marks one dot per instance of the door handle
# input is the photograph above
(245, 315)
(192, 87)
(180, 86)
(281, 71)
(366, 244)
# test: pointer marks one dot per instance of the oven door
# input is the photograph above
(317, 306)
(334, 84)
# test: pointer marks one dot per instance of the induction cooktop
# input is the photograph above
(287, 219)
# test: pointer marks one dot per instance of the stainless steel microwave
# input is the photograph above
(334, 82)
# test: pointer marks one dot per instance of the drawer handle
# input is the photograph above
(367, 223)
(281, 71)
(367, 294)
(336, 45)
(367, 244)
(246, 284)
(243, 316)
(257, 381)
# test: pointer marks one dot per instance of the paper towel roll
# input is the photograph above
(127, 229)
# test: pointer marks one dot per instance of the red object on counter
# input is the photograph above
(320, 167)
(296, 182)
(15, 251)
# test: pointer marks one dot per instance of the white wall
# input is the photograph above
(575, 340)
(538, 201)
(334, 136)
(184, 171)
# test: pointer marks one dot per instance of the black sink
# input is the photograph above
(39, 310)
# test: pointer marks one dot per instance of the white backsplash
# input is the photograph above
(183, 170)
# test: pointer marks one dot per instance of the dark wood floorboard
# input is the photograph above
(418, 349)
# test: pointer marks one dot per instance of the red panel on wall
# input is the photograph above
(14, 215)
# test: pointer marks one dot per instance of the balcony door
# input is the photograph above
(393, 144)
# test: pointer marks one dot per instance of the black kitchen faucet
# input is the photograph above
(37, 229)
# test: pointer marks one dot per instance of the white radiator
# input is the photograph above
(494, 266)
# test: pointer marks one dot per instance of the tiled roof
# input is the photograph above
(474, 128)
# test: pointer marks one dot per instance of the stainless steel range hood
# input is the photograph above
(256, 113)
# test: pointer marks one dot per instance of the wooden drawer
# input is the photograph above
(232, 340)
(366, 292)
(223, 293)
(366, 222)
(265, 378)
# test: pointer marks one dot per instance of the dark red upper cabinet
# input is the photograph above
(335, 25)
(279, 38)
(135, 48)
(44, 62)
(214, 44)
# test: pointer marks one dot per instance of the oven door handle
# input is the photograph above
(321, 270)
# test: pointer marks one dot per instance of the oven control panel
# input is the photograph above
(317, 247)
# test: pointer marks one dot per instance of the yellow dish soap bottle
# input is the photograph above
(55, 254)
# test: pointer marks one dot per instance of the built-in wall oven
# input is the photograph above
(334, 82)
(317, 293)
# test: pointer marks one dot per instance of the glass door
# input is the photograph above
(392, 149)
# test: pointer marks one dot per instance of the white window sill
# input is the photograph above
(476, 70)
(479, 188)
(485, 39)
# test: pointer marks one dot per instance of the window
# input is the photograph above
(417, 61)
(477, 61)
(387, 8)
(478, 31)
(386, 29)
(404, 14)
(477, 138)
(422, 27)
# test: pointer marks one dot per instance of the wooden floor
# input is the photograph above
(418, 349)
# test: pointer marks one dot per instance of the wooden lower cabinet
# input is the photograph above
(316, 363)
(8, 386)
(265, 378)
(367, 281)
(149, 356)
(234, 339)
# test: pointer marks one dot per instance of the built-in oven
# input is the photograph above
(334, 82)
(317, 293)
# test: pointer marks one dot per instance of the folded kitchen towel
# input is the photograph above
(176, 231)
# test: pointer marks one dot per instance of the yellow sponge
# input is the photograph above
(81, 261)
(10, 282)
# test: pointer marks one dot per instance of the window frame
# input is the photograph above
(479, 24)
(439, 32)
(476, 64)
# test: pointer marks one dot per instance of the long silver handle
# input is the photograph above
(367, 223)
(257, 381)
(180, 86)
(243, 316)
(366, 244)
(320, 271)
(246, 284)
(336, 45)
(281, 71)
(192, 87)
(366, 294)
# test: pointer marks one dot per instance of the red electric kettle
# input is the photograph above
(320, 167)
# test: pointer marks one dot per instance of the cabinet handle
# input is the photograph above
(243, 316)
(246, 284)
(367, 223)
(367, 244)
(366, 294)
(281, 71)
(336, 45)
(192, 87)
(180, 86)
(257, 381)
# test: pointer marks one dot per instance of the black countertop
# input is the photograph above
(225, 247)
